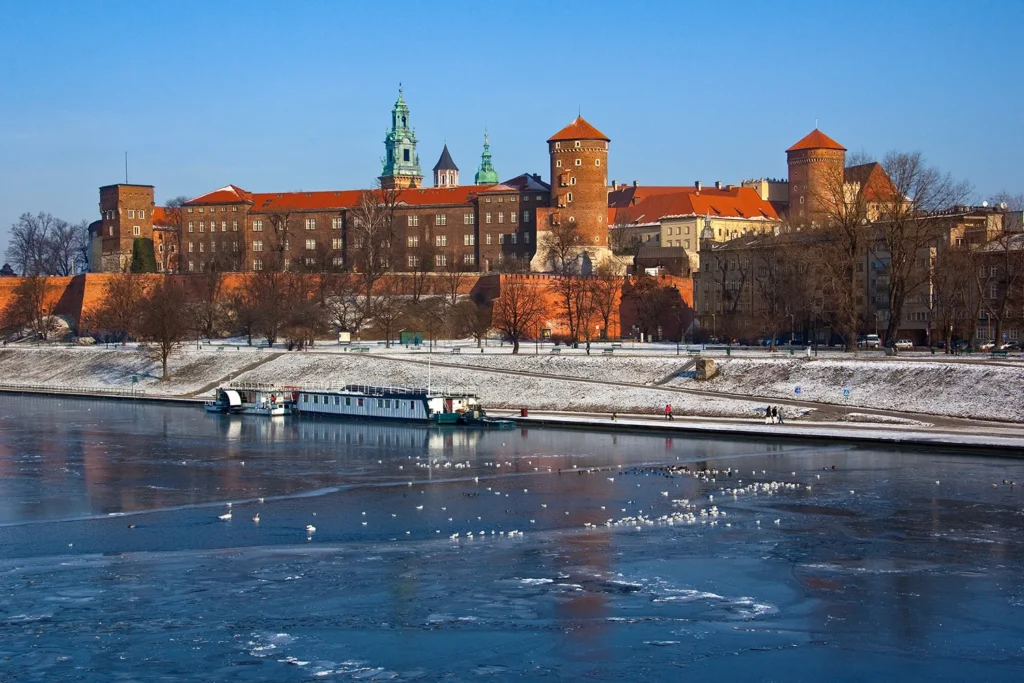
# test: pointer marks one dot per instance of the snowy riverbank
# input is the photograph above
(623, 382)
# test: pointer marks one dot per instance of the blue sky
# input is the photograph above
(278, 96)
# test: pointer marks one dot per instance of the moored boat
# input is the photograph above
(439, 407)
(253, 399)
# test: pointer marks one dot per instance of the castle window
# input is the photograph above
(577, 144)
(526, 238)
(336, 244)
(572, 181)
(441, 219)
(191, 266)
(501, 238)
(488, 240)
(234, 208)
(336, 223)
(131, 213)
(568, 196)
(310, 245)
(160, 248)
(801, 200)
(257, 226)
(597, 162)
(526, 198)
(200, 209)
(414, 261)
(257, 245)
(487, 217)
(257, 264)
(190, 209)
(338, 261)
(136, 230)
(514, 237)
(501, 217)
(579, 162)
(558, 163)
(440, 260)
(234, 226)
(469, 259)
(142, 213)
(558, 145)
(412, 220)
(202, 248)
(202, 226)
(539, 198)
(440, 240)
(511, 216)
(234, 246)
(213, 246)
(405, 154)
(469, 240)
(572, 219)
(467, 219)
(191, 247)
(310, 224)
(413, 240)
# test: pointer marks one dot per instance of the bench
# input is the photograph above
(1000, 354)
(693, 352)
(457, 349)
(556, 350)
(616, 345)
(360, 349)
(608, 352)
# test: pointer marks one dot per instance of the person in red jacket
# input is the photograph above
(668, 412)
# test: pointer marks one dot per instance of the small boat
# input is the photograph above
(250, 399)
(397, 403)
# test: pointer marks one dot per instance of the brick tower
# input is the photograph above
(126, 212)
(579, 188)
(816, 166)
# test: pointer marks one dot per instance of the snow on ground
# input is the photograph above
(955, 389)
(89, 368)
(882, 419)
(617, 368)
(495, 390)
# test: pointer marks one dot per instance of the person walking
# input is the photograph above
(780, 415)
(668, 412)
(768, 415)
(775, 414)
(588, 347)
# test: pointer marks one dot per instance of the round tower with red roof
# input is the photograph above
(816, 166)
(579, 185)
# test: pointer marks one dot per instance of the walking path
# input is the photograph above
(1001, 437)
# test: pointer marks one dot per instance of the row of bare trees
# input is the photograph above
(46, 245)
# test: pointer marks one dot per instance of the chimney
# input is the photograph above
(634, 183)
(718, 184)
(615, 184)
(697, 185)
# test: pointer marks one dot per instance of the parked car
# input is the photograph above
(987, 346)
(870, 341)
(904, 345)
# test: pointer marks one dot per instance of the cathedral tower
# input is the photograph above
(816, 166)
(486, 175)
(446, 173)
(402, 163)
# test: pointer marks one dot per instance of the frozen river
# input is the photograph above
(115, 564)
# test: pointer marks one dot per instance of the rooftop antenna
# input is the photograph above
(815, 123)
(126, 167)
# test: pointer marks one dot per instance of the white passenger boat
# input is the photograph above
(397, 403)
(248, 399)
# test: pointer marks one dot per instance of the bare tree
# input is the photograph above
(164, 320)
(472, 318)
(389, 308)
(270, 301)
(952, 285)
(243, 310)
(421, 253)
(606, 288)
(122, 305)
(342, 302)
(454, 275)
(909, 224)
(372, 238)
(518, 310)
(31, 307)
(562, 246)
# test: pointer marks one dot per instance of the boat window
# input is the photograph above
(305, 398)
(380, 403)
(360, 402)
(337, 400)
(316, 399)
(412, 405)
(348, 400)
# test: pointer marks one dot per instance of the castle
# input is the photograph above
(484, 227)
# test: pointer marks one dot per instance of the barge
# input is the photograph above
(397, 403)
(247, 399)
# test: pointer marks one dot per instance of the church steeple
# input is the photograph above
(402, 163)
(446, 173)
(486, 175)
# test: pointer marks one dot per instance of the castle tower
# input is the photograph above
(446, 173)
(816, 166)
(579, 185)
(402, 163)
(126, 213)
(486, 175)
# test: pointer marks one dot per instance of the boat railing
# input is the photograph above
(378, 390)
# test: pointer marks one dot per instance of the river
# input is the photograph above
(847, 563)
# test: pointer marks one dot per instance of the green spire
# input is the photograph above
(402, 163)
(486, 175)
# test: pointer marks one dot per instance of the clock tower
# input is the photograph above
(402, 163)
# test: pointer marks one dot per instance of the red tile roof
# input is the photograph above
(229, 194)
(160, 218)
(873, 179)
(816, 140)
(628, 195)
(579, 130)
(271, 202)
(735, 202)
